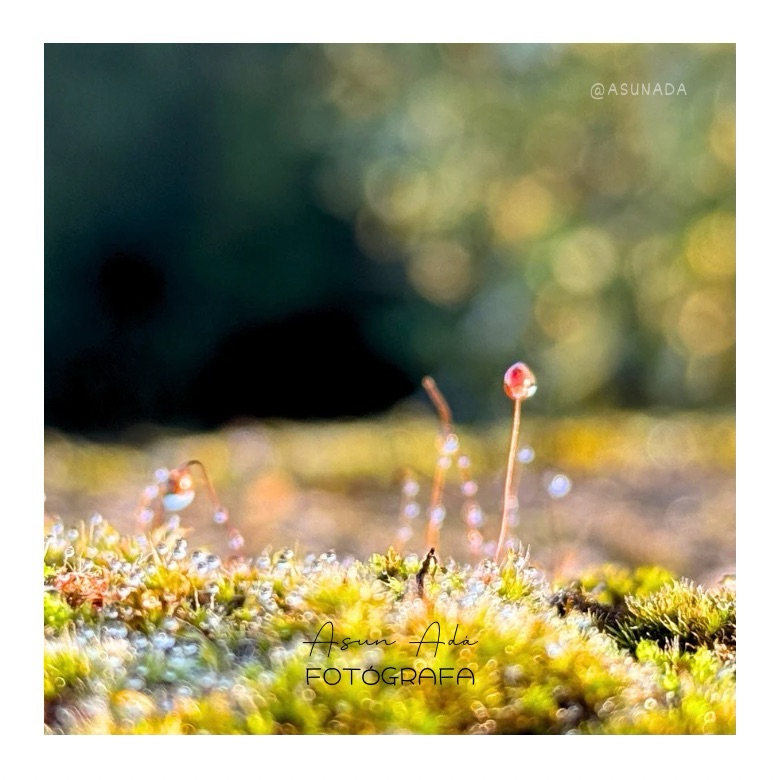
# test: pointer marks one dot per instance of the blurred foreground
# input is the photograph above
(631, 489)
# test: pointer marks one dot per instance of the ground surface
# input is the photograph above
(645, 490)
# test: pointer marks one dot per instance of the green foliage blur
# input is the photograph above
(594, 238)
(469, 205)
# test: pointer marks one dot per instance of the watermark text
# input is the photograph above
(636, 89)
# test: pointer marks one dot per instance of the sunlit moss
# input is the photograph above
(172, 649)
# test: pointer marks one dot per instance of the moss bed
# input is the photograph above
(143, 635)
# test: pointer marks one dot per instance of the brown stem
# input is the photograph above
(509, 488)
(212, 493)
(439, 475)
(437, 399)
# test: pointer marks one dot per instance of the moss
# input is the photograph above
(64, 668)
(610, 584)
(56, 612)
(174, 647)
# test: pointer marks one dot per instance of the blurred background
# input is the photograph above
(255, 253)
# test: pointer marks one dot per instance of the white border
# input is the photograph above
(22, 312)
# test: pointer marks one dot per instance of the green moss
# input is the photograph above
(64, 668)
(174, 648)
(56, 612)
(681, 613)
(610, 584)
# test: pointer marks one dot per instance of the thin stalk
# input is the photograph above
(235, 538)
(442, 407)
(212, 493)
(440, 473)
(509, 486)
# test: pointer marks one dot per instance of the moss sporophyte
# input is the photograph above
(519, 385)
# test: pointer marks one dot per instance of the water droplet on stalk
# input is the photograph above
(474, 516)
(438, 513)
(175, 502)
(412, 510)
(411, 488)
(145, 516)
(469, 489)
(526, 455)
(450, 445)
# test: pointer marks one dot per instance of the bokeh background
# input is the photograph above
(255, 253)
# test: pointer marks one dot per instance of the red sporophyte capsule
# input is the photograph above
(519, 382)
(179, 490)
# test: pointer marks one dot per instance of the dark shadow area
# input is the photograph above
(313, 365)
